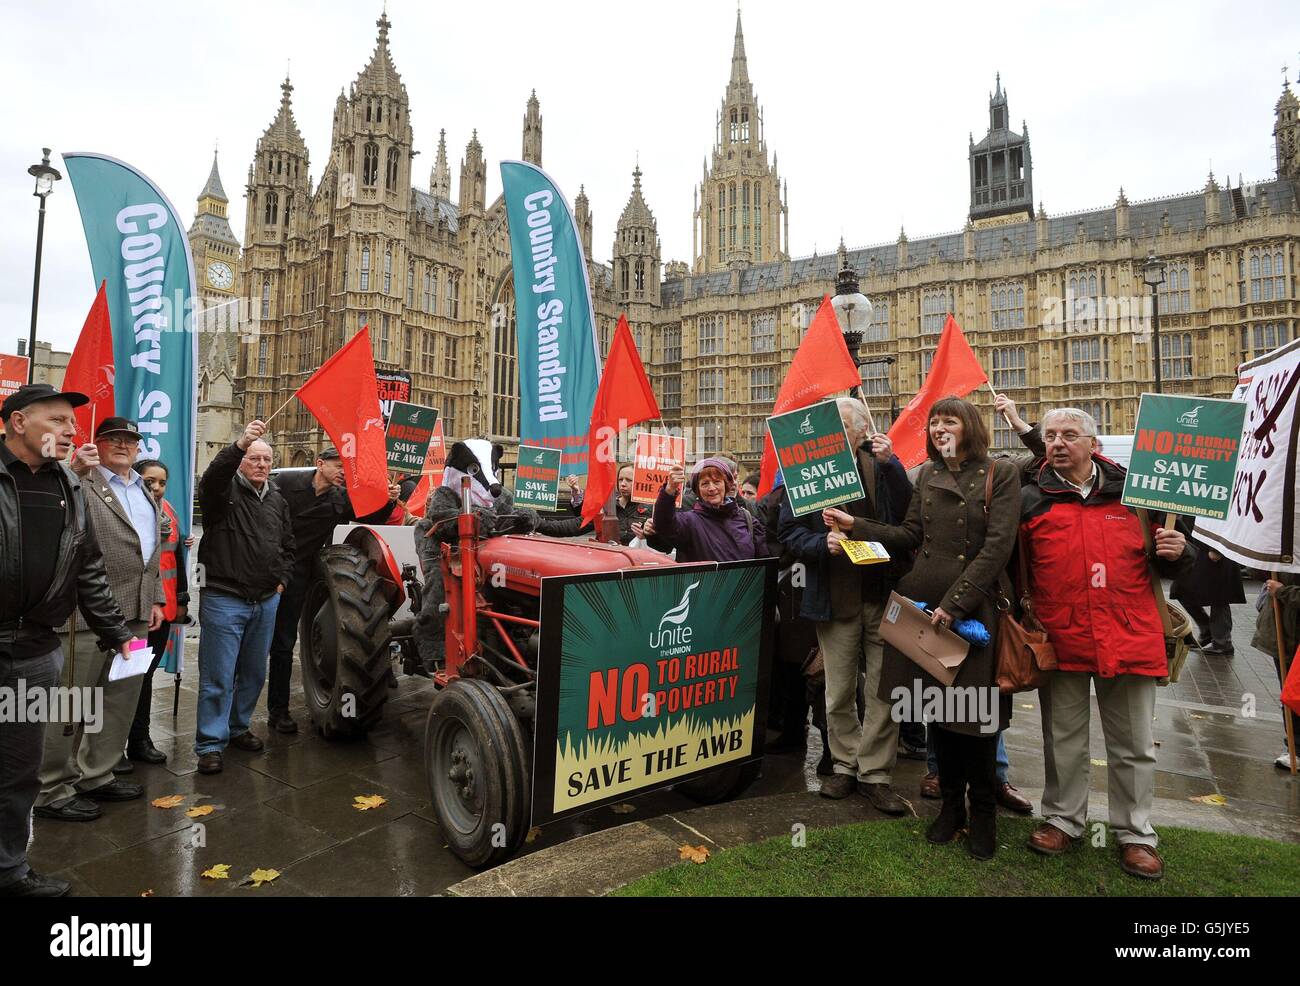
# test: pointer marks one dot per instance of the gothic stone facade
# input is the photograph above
(1054, 306)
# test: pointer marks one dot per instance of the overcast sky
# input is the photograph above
(868, 106)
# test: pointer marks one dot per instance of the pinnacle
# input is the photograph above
(739, 65)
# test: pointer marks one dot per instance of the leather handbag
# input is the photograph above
(1024, 653)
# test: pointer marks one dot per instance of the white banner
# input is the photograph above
(1260, 529)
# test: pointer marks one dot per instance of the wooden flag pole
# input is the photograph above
(1281, 658)
(281, 408)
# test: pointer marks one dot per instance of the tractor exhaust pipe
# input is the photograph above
(467, 529)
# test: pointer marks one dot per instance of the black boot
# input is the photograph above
(952, 785)
(980, 757)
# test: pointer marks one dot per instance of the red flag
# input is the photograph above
(954, 372)
(623, 399)
(344, 397)
(91, 369)
(431, 475)
(821, 365)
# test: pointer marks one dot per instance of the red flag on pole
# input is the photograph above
(90, 368)
(344, 397)
(821, 365)
(954, 372)
(623, 399)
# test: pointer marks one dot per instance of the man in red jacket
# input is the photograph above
(1090, 583)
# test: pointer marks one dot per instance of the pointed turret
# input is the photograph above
(636, 249)
(532, 152)
(1286, 132)
(380, 74)
(582, 218)
(473, 177)
(1001, 170)
(440, 176)
(739, 65)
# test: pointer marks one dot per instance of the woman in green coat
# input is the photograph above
(962, 545)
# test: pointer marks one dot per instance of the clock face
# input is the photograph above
(220, 275)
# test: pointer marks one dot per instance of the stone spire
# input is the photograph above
(283, 133)
(739, 66)
(440, 176)
(213, 189)
(532, 152)
(380, 75)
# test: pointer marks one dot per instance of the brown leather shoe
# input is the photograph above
(1050, 840)
(1012, 800)
(246, 741)
(210, 763)
(838, 786)
(930, 787)
(1141, 861)
(883, 798)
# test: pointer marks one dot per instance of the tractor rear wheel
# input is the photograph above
(722, 784)
(344, 643)
(479, 778)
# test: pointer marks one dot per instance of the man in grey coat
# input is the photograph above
(77, 770)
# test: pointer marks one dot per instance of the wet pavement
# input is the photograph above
(290, 806)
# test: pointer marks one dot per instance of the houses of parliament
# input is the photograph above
(427, 266)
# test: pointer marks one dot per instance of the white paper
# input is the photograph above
(139, 664)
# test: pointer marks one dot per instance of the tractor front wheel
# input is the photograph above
(476, 759)
(343, 641)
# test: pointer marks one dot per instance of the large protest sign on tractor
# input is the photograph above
(1184, 455)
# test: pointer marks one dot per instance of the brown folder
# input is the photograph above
(936, 649)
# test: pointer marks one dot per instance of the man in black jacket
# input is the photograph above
(51, 564)
(245, 558)
(318, 502)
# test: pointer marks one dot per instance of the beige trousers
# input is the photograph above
(1127, 704)
(870, 749)
(84, 761)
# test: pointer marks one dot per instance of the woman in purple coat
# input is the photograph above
(716, 527)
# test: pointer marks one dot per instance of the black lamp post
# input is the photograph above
(853, 310)
(45, 178)
(1153, 272)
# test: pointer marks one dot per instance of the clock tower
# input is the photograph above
(213, 244)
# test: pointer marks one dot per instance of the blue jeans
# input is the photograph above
(932, 763)
(234, 638)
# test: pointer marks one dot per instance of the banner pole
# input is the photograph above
(1281, 658)
(281, 408)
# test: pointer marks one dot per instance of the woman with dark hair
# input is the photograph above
(139, 745)
(962, 524)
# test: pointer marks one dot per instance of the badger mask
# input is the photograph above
(473, 458)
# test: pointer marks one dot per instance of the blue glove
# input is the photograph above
(970, 630)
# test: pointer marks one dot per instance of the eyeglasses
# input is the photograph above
(120, 441)
(1069, 437)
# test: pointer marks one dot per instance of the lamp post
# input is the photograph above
(1153, 272)
(45, 178)
(853, 311)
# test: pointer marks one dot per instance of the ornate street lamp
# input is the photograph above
(1153, 272)
(853, 311)
(45, 178)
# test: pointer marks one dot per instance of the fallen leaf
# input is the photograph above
(171, 801)
(1210, 799)
(623, 809)
(364, 802)
(198, 811)
(147, 893)
(1097, 763)
(696, 854)
(1025, 705)
(219, 872)
(532, 835)
(260, 877)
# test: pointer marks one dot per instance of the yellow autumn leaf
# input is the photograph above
(364, 802)
(147, 893)
(532, 835)
(221, 871)
(1210, 799)
(696, 854)
(198, 811)
(1097, 763)
(623, 809)
(171, 801)
(260, 877)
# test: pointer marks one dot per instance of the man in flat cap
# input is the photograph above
(318, 502)
(50, 563)
(77, 772)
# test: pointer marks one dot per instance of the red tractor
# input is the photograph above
(361, 614)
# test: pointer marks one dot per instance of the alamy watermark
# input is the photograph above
(964, 704)
(57, 703)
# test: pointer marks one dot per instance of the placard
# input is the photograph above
(653, 459)
(817, 465)
(1184, 455)
(537, 477)
(410, 427)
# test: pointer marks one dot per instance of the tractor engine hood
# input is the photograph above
(527, 559)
